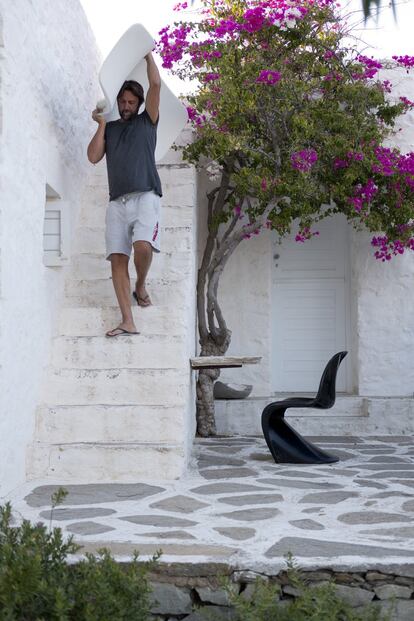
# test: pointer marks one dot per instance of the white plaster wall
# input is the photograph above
(385, 322)
(248, 310)
(384, 294)
(49, 62)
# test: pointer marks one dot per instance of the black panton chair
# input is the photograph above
(286, 444)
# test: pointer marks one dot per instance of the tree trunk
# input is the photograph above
(206, 423)
(215, 337)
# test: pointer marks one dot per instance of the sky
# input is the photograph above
(384, 36)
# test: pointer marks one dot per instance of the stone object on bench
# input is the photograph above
(231, 391)
(287, 445)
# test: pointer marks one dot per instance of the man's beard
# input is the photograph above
(126, 115)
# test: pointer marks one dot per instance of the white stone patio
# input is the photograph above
(236, 506)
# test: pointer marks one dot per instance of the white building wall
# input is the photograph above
(249, 311)
(384, 293)
(385, 322)
(48, 67)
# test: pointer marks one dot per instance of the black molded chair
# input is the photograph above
(286, 444)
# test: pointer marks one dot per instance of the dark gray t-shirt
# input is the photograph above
(130, 160)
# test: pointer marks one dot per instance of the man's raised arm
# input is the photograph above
(152, 102)
(96, 148)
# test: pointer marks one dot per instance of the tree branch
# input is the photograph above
(217, 199)
(202, 272)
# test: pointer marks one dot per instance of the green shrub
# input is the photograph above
(313, 603)
(107, 591)
(38, 584)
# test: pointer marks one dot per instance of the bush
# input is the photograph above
(313, 603)
(38, 584)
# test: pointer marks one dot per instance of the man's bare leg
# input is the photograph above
(122, 286)
(142, 260)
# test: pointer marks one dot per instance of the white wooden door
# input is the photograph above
(310, 312)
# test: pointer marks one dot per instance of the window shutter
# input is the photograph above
(56, 234)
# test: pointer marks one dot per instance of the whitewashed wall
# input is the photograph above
(385, 294)
(249, 311)
(49, 63)
(384, 322)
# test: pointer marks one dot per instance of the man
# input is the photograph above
(133, 213)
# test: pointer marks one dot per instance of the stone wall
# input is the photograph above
(49, 63)
(197, 592)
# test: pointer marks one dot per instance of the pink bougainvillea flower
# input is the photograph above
(363, 195)
(269, 77)
(304, 160)
(372, 66)
(340, 163)
(387, 161)
(387, 249)
(192, 113)
(305, 234)
(211, 77)
(387, 86)
(180, 6)
(407, 102)
(404, 61)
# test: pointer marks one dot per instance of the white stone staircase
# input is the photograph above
(122, 409)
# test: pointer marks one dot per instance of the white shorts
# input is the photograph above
(130, 218)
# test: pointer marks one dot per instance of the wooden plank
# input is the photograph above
(217, 362)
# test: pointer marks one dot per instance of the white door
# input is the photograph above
(310, 312)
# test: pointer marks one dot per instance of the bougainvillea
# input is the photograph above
(283, 96)
(294, 119)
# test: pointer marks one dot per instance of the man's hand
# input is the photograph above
(96, 148)
(98, 116)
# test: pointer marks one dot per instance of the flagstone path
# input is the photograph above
(235, 505)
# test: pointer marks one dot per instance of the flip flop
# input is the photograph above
(146, 301)
(119, 332)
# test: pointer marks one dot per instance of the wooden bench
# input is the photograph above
(222, 362)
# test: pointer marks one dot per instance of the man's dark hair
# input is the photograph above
(135, 88)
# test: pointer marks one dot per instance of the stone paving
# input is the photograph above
(236, 506)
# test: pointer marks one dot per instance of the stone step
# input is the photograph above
(165, 387)
(165, 265)
(351, 415)
(243, 416)
(91, 240)
(126, 352)
(95, 321)
(110, 462)
(119, 423)
(167, 293)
